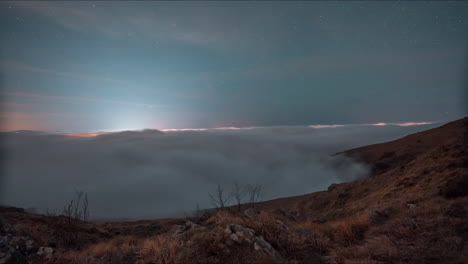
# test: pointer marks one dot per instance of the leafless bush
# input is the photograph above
(77, 209)
(50, 213)
(254, 193)
(219, 198)
(238, 192)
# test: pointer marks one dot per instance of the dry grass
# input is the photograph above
(161, 249)
(224, 217)
(350, 229)
(378, 249)
(117, 249)
(124, 245)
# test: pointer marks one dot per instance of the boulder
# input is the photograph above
(378, 216)
(262, 245)
(46, 252)
(235, 237)
(250, 212)
(282, 225)
(243, 232)
(177, 230)
(191, 225)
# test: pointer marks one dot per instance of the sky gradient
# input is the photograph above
(98, 66)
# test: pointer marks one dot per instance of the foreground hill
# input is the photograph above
(413, 208)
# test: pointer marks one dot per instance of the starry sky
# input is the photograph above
(102, 66)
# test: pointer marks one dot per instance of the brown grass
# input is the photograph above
(161, 249)
(116, 249)
(224, 217)
(350, 229)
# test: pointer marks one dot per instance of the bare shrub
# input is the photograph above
(238, 193)
(77, 209)
(254, 193)
(219, 198)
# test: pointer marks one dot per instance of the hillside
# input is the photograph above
(413, 208)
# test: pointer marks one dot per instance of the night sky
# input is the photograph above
(98, 66)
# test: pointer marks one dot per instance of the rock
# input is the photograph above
(319, 220)
(262, 245)
(411, 205)
(250, 212)
(31, 245)
(228, 229)
(243, 232)
(14, 257)
(235, 237)
(191, 224)
(378, 216)
(329, 260)
(45, 252)
(224, 248)
(177, 230)
(282, 225)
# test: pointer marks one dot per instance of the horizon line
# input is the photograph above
(227, 128)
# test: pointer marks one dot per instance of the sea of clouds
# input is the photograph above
(152, 173)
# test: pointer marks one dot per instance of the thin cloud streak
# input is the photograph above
(78, 99)
(16, 66)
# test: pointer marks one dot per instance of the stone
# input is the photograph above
(235, 237)
(177, 230)
(243, 232)
(262, 245)
(228, 229)
(378, 216)
(250, 212)
(45, 252)
(282, 225)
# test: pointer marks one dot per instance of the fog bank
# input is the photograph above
(161, 174)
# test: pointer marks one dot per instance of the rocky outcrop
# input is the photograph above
(241, 234)
(17, 249)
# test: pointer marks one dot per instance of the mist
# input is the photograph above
(155, 174)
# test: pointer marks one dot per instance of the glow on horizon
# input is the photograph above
(94, 134)
(415, 123)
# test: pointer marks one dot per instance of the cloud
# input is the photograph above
(414, 123)
(16, 66)
(325, 126)
(209, 25)
(150, 173)
(76, 99)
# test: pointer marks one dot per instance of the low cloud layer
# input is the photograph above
(160, 174)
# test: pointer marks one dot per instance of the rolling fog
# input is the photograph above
(162, 174)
